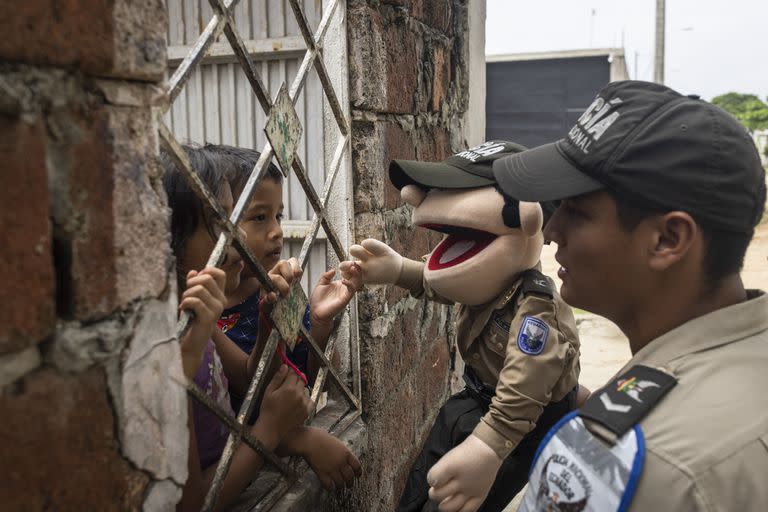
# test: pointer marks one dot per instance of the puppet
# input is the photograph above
(517, 337)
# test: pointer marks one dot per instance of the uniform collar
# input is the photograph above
(714, 329)
(510, 292)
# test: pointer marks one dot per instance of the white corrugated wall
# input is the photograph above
(218, 106)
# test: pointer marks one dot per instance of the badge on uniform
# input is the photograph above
(532, 336)
(575, 471)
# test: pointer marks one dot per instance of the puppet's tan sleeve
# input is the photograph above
(412, 279)
(529, 381)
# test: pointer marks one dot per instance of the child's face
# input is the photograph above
(261, 223)
(201, 243)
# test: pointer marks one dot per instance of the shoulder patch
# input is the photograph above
(536, 282)
(626, 399)
(532, 336)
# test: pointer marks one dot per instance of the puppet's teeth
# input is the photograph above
(456, 250)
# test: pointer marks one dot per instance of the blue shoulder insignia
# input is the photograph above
(532, 336)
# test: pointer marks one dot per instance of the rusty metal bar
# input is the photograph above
(324, 357)
(190, 62)
(325, 22)
(197, 394)
(319, 205)
(330, 93)
(333, 237)
(271, 498)
(301, 20)
(222, 468)
(322, 72)
(243, 56)
(298, 82)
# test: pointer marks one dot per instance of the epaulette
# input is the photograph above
(626, 399)
(536, 282)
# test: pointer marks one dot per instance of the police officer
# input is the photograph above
(660, 196)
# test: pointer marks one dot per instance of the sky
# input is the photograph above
(712, 46)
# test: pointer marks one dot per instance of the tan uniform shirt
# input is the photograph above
(707, 439)
(487, 340)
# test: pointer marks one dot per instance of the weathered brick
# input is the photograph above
(435, 13)
(441, 79)
(110, 221)
(117, 38)
(434, 143)
(367, 76)
(398, 144)
(27, 294)
(401, 59)
(59, 446)
(384, 62)
(368, 178)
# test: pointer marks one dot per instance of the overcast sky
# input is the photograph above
(712, 46)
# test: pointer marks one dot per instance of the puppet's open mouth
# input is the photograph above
(460, 245)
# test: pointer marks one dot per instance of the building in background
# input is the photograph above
(534, 98)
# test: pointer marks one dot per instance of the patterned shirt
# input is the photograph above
(211, 433)
(241, 324)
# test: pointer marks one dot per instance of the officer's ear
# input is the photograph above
(674, 236)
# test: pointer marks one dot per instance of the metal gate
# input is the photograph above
(276, 81)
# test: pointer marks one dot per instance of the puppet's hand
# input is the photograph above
(379, 263)
(460, 481)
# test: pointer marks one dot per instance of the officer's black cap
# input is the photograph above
(655, 147)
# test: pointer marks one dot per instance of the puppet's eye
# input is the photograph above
(511, 215)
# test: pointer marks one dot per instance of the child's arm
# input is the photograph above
(328, 299)
(205, 298)
(239, 366)
(285, 406)
(328, 457)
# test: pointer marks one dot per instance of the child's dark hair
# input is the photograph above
(187, 210)
(237, 163)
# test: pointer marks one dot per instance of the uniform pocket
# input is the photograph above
(496, 334)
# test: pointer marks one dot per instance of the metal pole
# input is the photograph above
(658, 74)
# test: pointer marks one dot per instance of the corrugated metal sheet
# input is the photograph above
(218, 106)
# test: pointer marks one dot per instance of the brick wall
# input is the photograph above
(87, 349)
(408, 93)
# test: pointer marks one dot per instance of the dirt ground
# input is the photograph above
(604, 349)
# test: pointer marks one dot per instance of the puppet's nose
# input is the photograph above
(413, 195)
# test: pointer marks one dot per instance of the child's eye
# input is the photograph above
(260, 217)
(279, 217)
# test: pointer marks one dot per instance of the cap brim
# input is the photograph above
(433, 175)
(542, 174)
